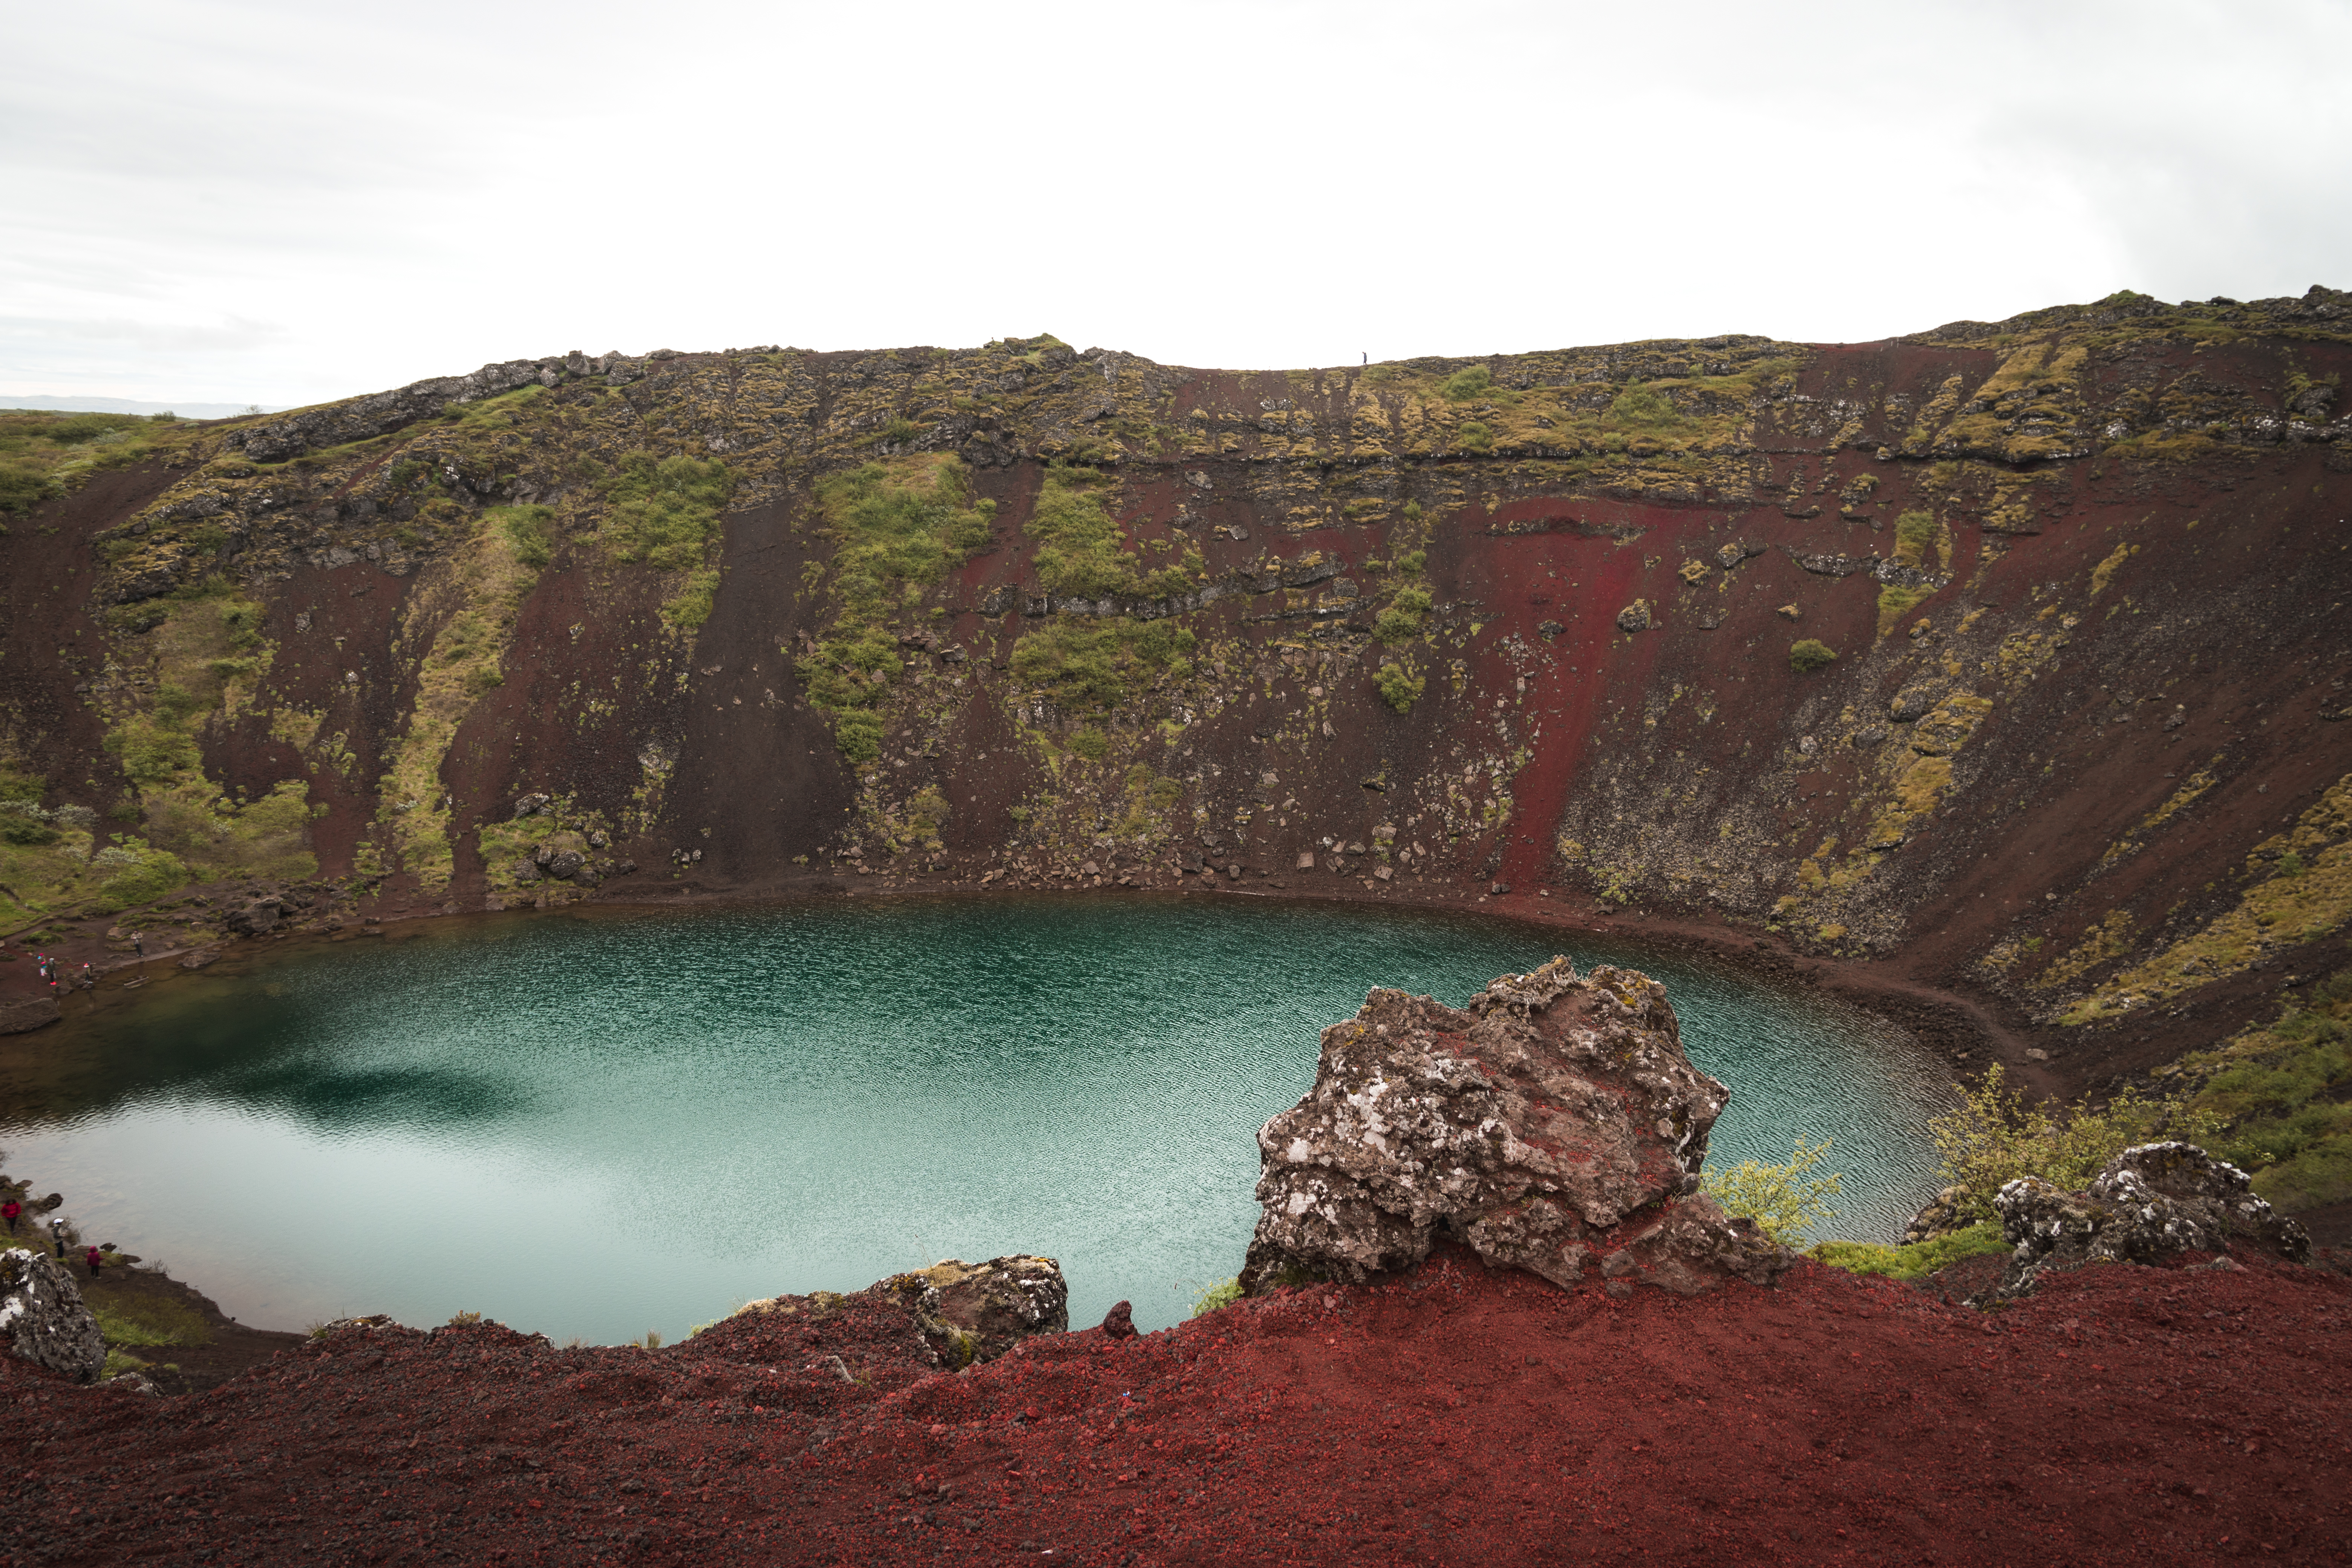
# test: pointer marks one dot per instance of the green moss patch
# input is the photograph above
(1915, 1261)
(1095, 666)
(898, 528)
(1082, 551)
(45, 455)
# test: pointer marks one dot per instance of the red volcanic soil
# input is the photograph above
(2127, 1414)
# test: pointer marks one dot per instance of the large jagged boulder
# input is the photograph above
(1554, 1124)
(2151, 1201)
(42, 1312)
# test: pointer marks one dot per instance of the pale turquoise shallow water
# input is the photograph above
(597, 1124)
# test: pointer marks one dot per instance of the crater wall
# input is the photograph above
(742, 622)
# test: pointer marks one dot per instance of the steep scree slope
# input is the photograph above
(741, 622)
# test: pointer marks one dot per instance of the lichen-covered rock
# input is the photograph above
(2151, 1201)
(256, 919)
(1553, 1124)
(42, 1312)
(977, 1312)
(1940, 1216)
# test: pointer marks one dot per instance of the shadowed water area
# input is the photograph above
(602, 1122)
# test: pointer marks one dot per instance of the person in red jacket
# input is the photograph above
(9, 1211)
(92, 1257)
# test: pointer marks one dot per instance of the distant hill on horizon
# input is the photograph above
(80, 404)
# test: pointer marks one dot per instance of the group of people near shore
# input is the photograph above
(48, 970)
(13, 1212)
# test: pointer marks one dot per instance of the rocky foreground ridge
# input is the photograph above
(760, 621)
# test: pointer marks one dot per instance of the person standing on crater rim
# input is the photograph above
(90, 1256)
(9, 1211)
(57, 1235)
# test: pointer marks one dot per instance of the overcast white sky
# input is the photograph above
(259, 200)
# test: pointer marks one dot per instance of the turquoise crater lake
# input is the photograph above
(604, 1123)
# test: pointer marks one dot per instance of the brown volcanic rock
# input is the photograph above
(1553, 1122)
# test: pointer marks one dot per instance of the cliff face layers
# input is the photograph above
(2012, 652)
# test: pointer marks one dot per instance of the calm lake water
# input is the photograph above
(600, 1123)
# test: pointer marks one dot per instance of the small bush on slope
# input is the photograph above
(665, 511)
(1400, 687)
(1781, 1199)
(1225, 1293)
(1996, 1135)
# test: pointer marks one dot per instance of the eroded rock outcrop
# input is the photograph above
(977, 1312)
(1554, 1124)
(946, 1316)
(2152, 1201)
(42, 1312)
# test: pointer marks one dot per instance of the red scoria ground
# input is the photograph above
(2125, 1415)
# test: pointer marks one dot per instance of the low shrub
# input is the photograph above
(902, 522)
(1643, 407)
(665, 510)
(1782, 1200)
(137, 874)
(1080, 549)
(529, 529)
(1225, 1293)
(1914, 532)
(1401, 622)
(1895, 601)
(1398, 687)
(23, 485)
(859, 733)
(927, 812)
(1470, 381)
(1809, 654)
(687, 609)
(1096, 664)
(1996, 1135)
(150, 752)
(19, 826)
